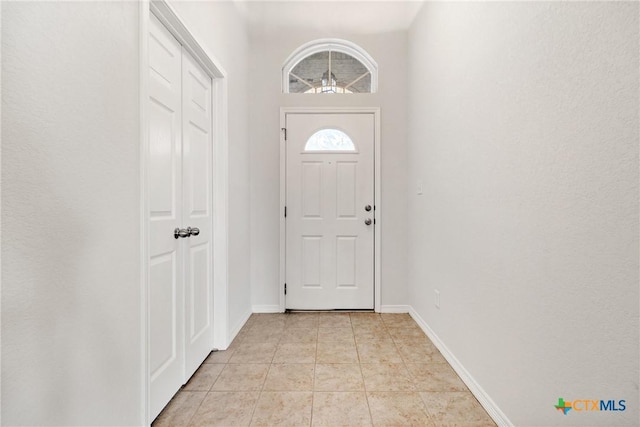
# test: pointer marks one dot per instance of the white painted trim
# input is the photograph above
(395, 308)
(377, 191)
(283, 203)
(220, 215)
(222, 336)
(273, 308)
(377, 185)
(236, 329)
(485, 400)
(144, 208)
(176, 26)
(1, 210)
(334, 45)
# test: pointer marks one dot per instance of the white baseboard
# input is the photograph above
(236, 329)
(274, 308)
(395, 308)
(485, 400)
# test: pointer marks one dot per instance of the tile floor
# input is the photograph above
(326, 369)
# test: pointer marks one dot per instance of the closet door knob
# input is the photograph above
(193, 231)
(181, 232)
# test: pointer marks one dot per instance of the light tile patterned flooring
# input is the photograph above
(326, 369)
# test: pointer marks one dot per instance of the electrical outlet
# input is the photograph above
(437, 292)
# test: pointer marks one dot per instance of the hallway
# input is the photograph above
(326, 369)
(504, 213)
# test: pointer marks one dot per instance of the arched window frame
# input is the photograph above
(333, 45)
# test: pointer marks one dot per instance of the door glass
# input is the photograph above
(330, 140)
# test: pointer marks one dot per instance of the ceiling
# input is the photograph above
(359, 17)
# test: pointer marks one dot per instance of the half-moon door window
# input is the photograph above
(330, 140)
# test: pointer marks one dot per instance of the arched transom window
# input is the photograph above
(330, 66)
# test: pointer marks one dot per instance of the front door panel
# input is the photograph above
(329, 232)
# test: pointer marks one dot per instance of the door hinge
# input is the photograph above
(285, 288)
(285, 211)
(285, 133)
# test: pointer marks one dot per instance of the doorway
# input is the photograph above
(330, 195)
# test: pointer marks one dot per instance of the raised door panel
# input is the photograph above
(163, 274)
(198, 305)
(164, 138)
(346, 174)
(346, 258)
(311, 190)
(311, 266)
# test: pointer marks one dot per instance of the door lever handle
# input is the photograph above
(193, 231)
(181, 232)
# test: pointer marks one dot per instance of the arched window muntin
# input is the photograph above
(330, 45)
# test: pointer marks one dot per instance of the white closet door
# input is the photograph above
(166, 302)
(197, 176)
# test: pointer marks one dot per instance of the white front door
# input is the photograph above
(330, 211)
(180, 177)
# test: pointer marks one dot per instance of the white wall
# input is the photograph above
(71, 309)
(270, 47)
(523, 126)
(71, 344)
(220, 27)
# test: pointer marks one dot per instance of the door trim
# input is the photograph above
(377, 190)
(220, 159)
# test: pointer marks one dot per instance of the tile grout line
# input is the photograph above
(404, 362)
(364, 385)
(207, 392)
(313, 381)
(255, 405)
(413, 380)
(196, 411)
(315, 364)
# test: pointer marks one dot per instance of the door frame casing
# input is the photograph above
(220, 194)
(375, 111)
